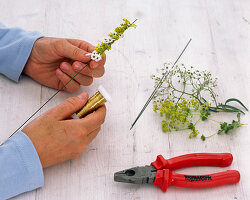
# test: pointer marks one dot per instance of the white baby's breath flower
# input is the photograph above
(108, 40)
(96, 56)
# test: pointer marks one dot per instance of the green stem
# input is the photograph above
(184, 92)
(213, 120)
(243, 124)
(182, 129)
(211, 135)
(197, 121)
(222, 110)
(184, 88)
(192, 83)
(213, 95)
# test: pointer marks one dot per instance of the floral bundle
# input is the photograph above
(99, 51)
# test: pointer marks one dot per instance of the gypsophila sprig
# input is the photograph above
(188, 96)
(118, 32)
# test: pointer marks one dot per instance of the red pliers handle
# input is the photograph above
(193, 159)
(165, 177)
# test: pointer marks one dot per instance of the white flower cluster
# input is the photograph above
(96, 56)
(108, 40)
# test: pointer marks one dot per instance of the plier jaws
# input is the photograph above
(136, 175)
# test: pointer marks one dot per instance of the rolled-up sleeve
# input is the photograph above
(15, 48)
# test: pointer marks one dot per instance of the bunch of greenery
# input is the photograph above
(118, 32)
(188, 96)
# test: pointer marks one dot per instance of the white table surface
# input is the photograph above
(221, 44)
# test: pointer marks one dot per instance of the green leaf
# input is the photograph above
(203, 138)
(228, 127)
(191, 126)
(238, 117)
(204, 114)
(238, 101)
(204, 100)
(194, 133)
(228, 108)
(232, 126)
(223, 126)
(213, 109)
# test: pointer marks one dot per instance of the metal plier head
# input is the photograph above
(136, 175)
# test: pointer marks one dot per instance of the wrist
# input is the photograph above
(27, 70)
(36, 144)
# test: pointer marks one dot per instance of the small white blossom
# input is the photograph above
(96, 56)
(108, 40)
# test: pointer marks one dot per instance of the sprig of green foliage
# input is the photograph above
(100, 49)
(187, 92)
(114, 36)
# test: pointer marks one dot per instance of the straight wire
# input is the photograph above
(157, 87)
(49, 99)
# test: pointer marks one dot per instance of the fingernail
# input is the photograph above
(64, 67)
(88, 54)
(82, 96)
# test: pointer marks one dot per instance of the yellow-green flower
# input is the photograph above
(99, 51)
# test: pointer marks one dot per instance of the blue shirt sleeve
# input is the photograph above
(20, 167)
(15, 47)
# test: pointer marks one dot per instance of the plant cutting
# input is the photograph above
(187, 96)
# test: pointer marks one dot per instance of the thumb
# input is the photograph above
(69, 106)
(75, 53)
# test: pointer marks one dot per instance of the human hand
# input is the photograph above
(54, 61)
(57, 137)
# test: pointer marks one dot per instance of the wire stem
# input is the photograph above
(48, 100)
(157, 87)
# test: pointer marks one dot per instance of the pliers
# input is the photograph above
(160, 172)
